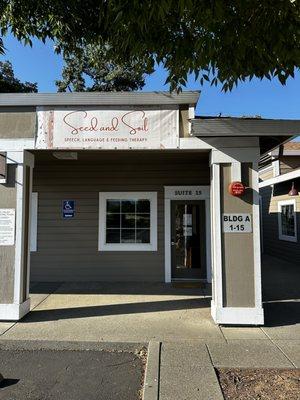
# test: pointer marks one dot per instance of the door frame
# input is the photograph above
(202, 244)
(186, 193)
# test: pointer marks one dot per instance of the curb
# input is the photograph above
(151, 383)
(39, 345)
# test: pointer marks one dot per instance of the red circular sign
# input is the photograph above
(236, 189)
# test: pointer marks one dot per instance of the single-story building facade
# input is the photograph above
(131, 187)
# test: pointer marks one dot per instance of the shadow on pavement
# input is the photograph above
(132, 288)
(115, 309)
(8, 382)
(281, 292)
(282, 313)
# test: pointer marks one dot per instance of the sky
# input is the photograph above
(268, 99)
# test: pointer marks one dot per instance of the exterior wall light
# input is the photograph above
(293, 191)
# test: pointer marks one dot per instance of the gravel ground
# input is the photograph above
(260, 384)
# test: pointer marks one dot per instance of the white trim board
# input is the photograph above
(216, 236)
(186, 193)
(237, 315)
(14, 312)
(256, 239)
(20, 216)
(281, 178)
(103, 246)
(281, 236)
(16, 144)
(33, 221)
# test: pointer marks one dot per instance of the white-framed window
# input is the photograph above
(287, 220)
(128, 221)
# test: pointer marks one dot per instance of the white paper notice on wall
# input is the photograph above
(187, 219)
(237, 223)
(187, 231)
(7, 226)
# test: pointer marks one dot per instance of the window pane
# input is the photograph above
(128, 206)
(143, 206)
(287, 220)
(113, 220)
(128, 220)
(113, 206)
(127, 235)
(143, 220)
(113, 236)
(143, 236)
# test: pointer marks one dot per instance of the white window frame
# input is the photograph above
(280, 234)
(103, 197)
(33, 221)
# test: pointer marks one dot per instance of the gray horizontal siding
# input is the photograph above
(289, 164)
(285, 250)
(68, 249)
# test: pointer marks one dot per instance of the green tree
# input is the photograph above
(221, 41)
(10, 84)
(89, 69)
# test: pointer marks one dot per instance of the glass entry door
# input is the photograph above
(188, 239)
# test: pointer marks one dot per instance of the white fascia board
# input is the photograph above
(281, 178)
(286, 153)
(216, 143)
(16, 144)
(232, 155)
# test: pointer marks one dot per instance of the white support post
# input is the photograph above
(217, 289)
(21, 302)
(222, 314)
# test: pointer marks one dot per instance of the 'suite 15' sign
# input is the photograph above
(86, 128)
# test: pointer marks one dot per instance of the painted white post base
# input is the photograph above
(14, 312)
(237, 315)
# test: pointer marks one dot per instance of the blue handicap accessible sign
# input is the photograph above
(68, 210)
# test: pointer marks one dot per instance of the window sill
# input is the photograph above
(288, 239)
(127, 247)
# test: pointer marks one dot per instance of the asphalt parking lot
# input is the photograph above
(70, 374)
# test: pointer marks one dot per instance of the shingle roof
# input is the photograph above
(292, 146)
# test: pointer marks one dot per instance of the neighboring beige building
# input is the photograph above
(131, 187)
(280, 202)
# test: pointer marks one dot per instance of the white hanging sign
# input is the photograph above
(109, 128)
(187, 231)
(7, 226)
(187, 219)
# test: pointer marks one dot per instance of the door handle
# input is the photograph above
(173, 243)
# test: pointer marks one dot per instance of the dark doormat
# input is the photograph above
(188, 285)
(259, 384)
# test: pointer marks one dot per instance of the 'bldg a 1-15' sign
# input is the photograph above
(90, 128)
(237, 223)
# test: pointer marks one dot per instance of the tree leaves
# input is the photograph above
(89, 68)
(10, 84)
(221, 42)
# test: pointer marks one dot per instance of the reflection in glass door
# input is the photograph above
(188, 240)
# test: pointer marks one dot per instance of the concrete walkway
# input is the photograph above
(187, 370)
(115, 312)
(178, 318)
